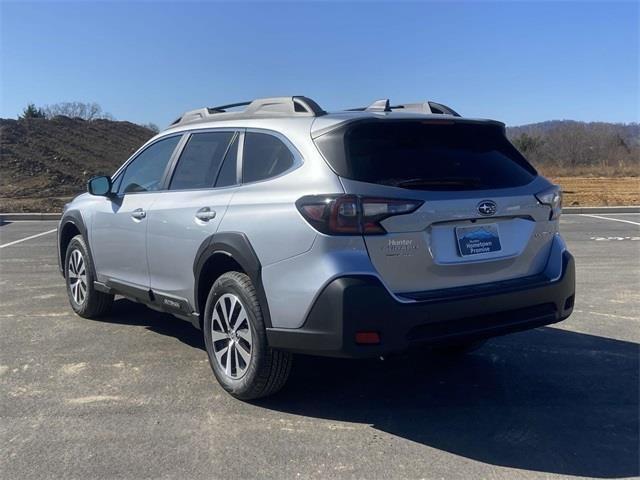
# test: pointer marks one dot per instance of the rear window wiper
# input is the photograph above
(455, 182)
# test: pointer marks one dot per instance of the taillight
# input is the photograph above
(352, 214)
(553, 198)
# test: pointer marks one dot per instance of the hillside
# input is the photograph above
(569, 148)
(630, 132)
(44, 162)
(53, 159)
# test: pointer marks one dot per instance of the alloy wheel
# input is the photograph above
(77, 274)
(231, 336)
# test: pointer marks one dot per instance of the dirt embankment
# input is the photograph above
(45, 162)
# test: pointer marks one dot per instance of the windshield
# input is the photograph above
(426, 155)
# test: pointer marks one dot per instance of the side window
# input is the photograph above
(228, 172)
(144, 173)
(264, 156)
(200, 160)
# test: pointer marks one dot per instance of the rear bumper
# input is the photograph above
(361, 303)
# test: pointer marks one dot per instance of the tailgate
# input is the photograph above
(449, 243)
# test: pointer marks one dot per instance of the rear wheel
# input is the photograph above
(236, 340)
(85, 300)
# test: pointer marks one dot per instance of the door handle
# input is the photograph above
(205, 214)
(138, 214)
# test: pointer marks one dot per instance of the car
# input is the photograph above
(278, 229)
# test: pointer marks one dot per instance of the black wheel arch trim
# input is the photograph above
(237, 246)
(73, 217)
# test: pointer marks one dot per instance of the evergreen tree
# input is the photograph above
(32, 112)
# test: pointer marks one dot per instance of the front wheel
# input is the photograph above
(236, 340)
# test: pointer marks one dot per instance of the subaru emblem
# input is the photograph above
(487, 208)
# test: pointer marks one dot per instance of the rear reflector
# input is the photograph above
(367, 338)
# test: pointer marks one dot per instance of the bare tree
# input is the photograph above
(152, 126)
(571, 146)
(86, 111)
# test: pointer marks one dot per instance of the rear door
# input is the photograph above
(201, 186)
(119, 226)
(480, 221)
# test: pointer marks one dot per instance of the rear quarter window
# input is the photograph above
(264, 156)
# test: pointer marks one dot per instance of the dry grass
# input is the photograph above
(599, 191)
(630, 170)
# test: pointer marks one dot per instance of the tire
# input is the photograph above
(239, 355)
(85, 300)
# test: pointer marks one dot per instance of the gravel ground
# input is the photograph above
(132, 396)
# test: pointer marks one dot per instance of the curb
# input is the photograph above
(570, 210)
(630, 209)
(29, 216)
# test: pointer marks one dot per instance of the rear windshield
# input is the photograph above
(426, 155)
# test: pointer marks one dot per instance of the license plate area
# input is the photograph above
(478, 239)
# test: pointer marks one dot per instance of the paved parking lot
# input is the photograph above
(132, 395)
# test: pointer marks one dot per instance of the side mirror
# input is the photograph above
(99, 186)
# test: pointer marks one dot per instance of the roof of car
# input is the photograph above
(300, 111)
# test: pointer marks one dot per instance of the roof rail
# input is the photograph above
(377, 106)
(261, 107)
(426, 107)
(423, 107)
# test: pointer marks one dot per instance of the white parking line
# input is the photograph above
(28, 238)
(610, 315)
(607, 218)
(564, 214)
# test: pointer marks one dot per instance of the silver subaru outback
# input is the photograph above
(278, 228)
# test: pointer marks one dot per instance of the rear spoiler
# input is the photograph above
(435, 119)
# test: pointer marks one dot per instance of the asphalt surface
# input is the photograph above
(132, 395)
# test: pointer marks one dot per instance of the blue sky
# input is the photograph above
(518, 62)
